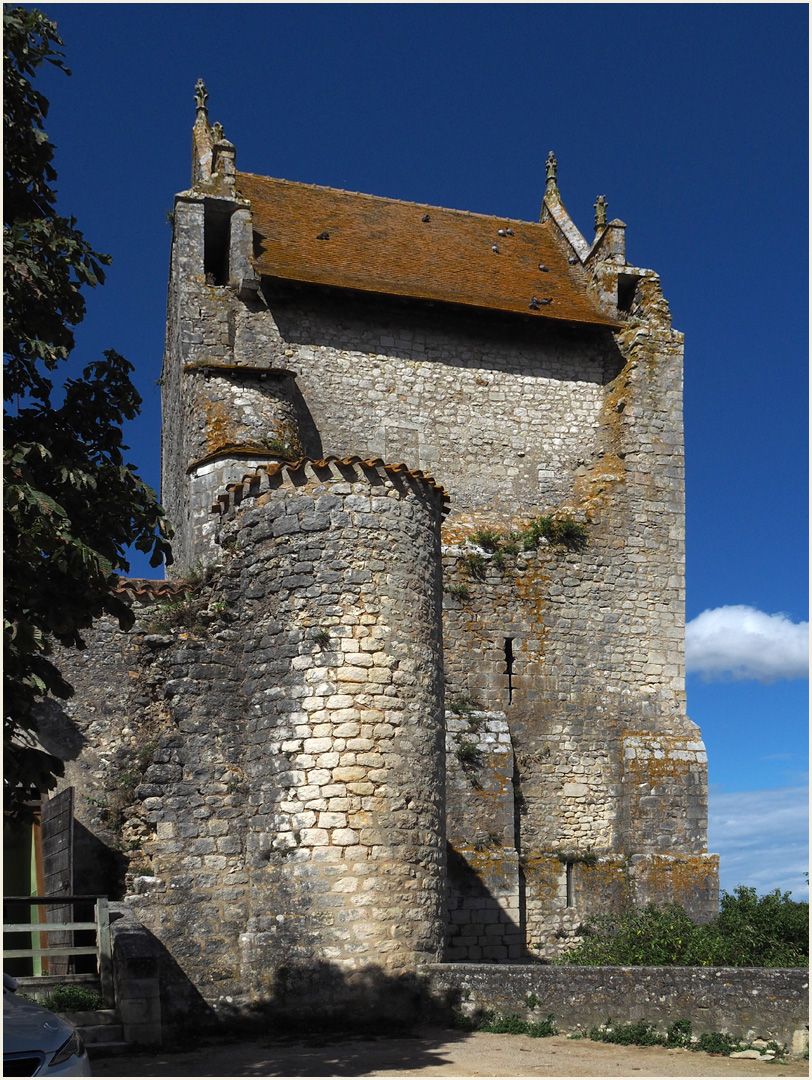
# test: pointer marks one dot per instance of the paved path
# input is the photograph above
(433, 1052)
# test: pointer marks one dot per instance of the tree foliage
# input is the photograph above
(72, 504)
(750, 931)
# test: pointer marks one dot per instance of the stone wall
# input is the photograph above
(747, 1003)
(485, 909)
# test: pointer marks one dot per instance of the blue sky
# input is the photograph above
(691, 119)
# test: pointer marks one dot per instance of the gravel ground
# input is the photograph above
(433, 1052)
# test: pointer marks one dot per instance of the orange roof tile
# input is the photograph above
(329, 237)
(235, 492)
(148, 590)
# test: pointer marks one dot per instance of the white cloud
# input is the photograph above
(739, 642)
(762, 838)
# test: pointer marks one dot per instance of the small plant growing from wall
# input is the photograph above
(278, 447)
(459, 591)
(173, 614)
(463, 706)
(487, 539)
(475, 561)
(321, 636)
(200, 573)
(112, 808)
(470, 757)
(564, 531)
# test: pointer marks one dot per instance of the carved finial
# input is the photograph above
(600, 213)
(552, 168)
(217, 132)
(201, 97)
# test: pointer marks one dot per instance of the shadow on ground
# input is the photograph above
(315, 1055)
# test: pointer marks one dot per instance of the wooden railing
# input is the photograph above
(102, 949)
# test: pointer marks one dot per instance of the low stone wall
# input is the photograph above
(747, 1003)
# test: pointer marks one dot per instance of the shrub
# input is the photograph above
(679, 1034)
(717, 1042)
(635, 1033)
(67, 998)
(768, 931)
(653, 936)
(750, 931)
(542, 1029)
(510, 1025)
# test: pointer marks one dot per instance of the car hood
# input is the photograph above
(27, 1026)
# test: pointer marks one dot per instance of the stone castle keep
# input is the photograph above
(385, 719)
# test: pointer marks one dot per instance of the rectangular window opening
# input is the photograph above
(626, 290)
(570, 900)
(509, 666)
(216, 236)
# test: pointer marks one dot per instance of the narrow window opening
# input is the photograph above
(215, 243)
(626, 290)
(509, 666)
(568, 867)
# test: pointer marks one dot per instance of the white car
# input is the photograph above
(37, 1042)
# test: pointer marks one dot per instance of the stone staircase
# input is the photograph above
(101, 1029)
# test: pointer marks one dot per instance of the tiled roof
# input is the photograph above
(147, 590)
(329, 237)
